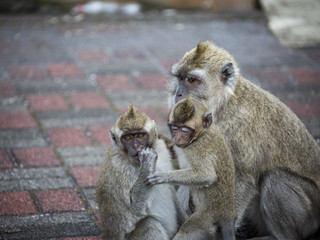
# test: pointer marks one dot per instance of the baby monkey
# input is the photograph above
(209, 172)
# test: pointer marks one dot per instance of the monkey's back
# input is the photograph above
(212, 150)
(264, 134)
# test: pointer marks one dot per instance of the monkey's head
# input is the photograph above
(207, 72)
(133, 132)
(187, 119)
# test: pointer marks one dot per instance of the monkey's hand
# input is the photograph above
(148, 158)
(139, 193)
(156, 178)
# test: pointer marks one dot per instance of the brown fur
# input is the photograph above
(129, 209)
(262, 133)
(209, 175)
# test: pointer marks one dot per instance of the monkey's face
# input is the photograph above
(185, 81)
(207, 73)
(182, 136)
(133, 143)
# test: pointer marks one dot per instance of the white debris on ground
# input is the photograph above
(99, 7)
(296, 23)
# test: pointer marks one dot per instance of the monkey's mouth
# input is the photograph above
(182, 145)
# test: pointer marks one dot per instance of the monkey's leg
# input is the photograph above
(290, 205)
(197, 227)
(147, 229)
(227, 230)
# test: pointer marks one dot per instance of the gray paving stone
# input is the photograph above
(35, 184)
(34, 179)
(83, 156)
(313, 127)
(12, 104)
(124, 66)
(67, 224)
(90, 196)
(76, 118)
(21, 138)
(32, 173)
(139, 98)
(54, 86)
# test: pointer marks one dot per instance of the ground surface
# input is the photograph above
(65, 80)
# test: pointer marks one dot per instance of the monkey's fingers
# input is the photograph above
(154, 179)
(148, 157)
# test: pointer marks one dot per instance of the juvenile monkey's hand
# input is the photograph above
(148, 158)
(156, 178)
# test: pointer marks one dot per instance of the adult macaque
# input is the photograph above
(209, 175)
(277, 161)
(129, 208)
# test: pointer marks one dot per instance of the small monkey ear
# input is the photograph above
(113, 138)
(228, 74)
(207, 120)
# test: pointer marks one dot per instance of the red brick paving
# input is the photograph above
(59, 200)
(67, 137)
(16, 204)
(100, 134)
(273, 77)
(85, 176)
(47, 102)
(5, 162)
(91, 55)
(6, 89)
(64, 70)
(307, 110)
(305, 75)
(25, 72)
(152, 81)
(36, 157)
(16, 120)
(88, 100)
(115, 82)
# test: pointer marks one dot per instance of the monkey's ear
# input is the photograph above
(228, 74)
(113, 138)
(207, 120)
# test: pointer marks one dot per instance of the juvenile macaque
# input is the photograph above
(277, 161)
(129, 208)
(209, 175)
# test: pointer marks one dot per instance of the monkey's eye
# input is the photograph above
(174, 128)
(191, 79)
(185, 129)
(127, 138)
(141, 135)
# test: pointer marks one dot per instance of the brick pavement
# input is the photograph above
(63, 85)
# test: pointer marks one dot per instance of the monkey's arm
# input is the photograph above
(139, 193)
(189, 176)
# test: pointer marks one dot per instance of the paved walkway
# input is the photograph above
(65, 80)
